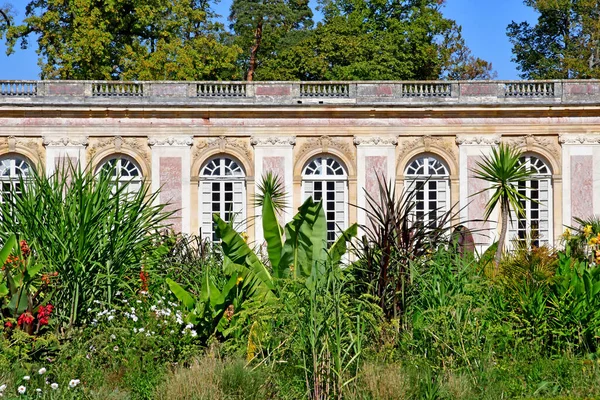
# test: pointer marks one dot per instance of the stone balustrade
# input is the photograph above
(383, 93)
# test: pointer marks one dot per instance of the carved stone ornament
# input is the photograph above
(222, 143)
(375, 141)
(273, 141)
(530, 142)
(171, 141)
(579, 139)
(324, 143)
(427, 142)
(481, 140)
(13, 144)
(65, 141)
(118, 143)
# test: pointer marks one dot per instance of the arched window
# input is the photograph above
(535, 225)
(123, 170)
(430, 179)
(325, 178)
(223, 192)
(13, 169)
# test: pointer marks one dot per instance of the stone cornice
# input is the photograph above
(170, 141)
(273, 141)
(579, 139)
(375, 141)
(65, 141)
(477, 140)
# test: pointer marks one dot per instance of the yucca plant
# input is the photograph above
(504, 170)
(96, 235)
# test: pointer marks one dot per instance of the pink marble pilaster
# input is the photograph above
(582, 177)
(476, 204)
(275, 165)
(375, 172)
(171, 188)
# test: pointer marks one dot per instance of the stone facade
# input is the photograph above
(372, 129)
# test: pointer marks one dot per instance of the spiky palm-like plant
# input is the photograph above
(504, 170)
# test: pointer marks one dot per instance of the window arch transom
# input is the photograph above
(222, 192)
(123, 171)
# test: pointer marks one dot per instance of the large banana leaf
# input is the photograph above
(273, 234)
(305, 239)
(243, 258)
(182, 295)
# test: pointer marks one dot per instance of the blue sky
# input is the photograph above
(484, 25)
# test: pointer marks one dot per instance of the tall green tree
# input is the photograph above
(133, 39)
(563, 44)
(380, 39)
(264, 27)
(5, 17)
(504, 171)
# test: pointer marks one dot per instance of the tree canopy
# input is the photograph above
(563, 44)
(267, 40)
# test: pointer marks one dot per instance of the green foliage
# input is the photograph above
(503, 170)
(563, 44)
(126, 39)
(394, 242)
(96, 236)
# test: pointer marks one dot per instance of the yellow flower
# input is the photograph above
(567, 234)
(587, 231)
(593, 241)
(239, 280)
(244, 236)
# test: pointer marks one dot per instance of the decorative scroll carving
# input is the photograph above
(65, 141)
(171, 141)
(119, 143)
(482, 140)
(222, 143)
(32, 147)
(324, 143)
(530, 142)
(375, 141)
(428, 143)
(273, 141)
(579, 139)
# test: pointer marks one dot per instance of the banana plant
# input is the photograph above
(292, 252)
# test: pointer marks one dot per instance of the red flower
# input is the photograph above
(24, 248)
(144, 278)
(25, 318)
(44, 313)
(8, 324)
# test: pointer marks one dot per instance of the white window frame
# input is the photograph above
(124, 163)
(205, 195)
(434, 170)
(324, 175)
(14, 163)
(542, 174)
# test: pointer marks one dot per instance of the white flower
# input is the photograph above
(22, 389)
(193, 333)
(118, 293)
(73, 383)
(42, 371)
(116, 348)
(189, 326)
(38, 390)
(153, 308)
(89, 310)
(148, 334)
(138, 301)
(2, 388)
(113, 337)
(172, 332)
(54, 386)
(26, 378)
(134, 318)
(132, 309)
(141, 330)
(135, 330)
(111, 317)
